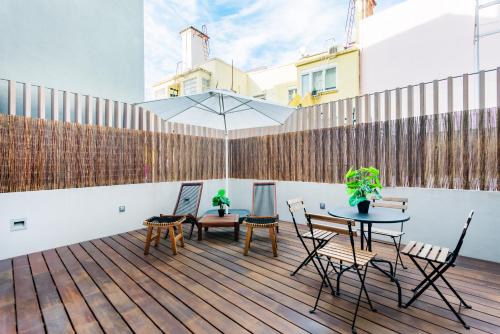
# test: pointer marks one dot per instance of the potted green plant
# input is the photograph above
(362, 185)
(221, 201)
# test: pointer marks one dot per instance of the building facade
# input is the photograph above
(93, 47)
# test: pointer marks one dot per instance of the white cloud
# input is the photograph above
(251, 33)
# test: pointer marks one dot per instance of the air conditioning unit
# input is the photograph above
(315, 93)
(333, 49)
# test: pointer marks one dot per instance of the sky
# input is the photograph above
(252, 33)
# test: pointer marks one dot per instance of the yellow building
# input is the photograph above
(328, 76)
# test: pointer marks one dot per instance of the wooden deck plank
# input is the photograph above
(211, 287)
(452, 322)
(29, 317)
(129, 311)
(81, 316)
(7, 299)
(109, 319)
(169, 301)
(54, 315)
(260, 314)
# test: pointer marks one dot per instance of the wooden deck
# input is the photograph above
(108, 285)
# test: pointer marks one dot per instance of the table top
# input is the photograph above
(240, 212)
(375, 215)
(215, 219)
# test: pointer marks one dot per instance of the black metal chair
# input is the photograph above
(357, 258)
(440, 260)
(396, 236)
(319, 236)
(187, 204)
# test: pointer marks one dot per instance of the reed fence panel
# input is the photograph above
(37, 154)
(456, 150)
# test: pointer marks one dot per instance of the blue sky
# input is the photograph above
(252, 33)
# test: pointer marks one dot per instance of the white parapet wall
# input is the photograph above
(61, 217)
(437, 215)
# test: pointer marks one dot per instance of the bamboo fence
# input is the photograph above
(37, 154)
(456, 150)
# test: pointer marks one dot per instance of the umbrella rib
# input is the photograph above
(201, 103)
(260, 112)
(183, 110)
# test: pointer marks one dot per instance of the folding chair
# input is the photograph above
(440, 259)
(396, 236)
(319, 236)
(264, 214)
(357, 258)
(187, 204)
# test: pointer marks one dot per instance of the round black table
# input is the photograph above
(374, 216)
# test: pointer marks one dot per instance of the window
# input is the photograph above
(205, 85)
(190, 86)
(305, 84)
(291, 93)
(174, 92)
(319, 80)
(331, 78)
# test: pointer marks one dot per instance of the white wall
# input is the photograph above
(421, 40)
(61, 217)
(437, 215)
(91, 47)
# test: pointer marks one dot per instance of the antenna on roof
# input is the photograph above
(232, 75)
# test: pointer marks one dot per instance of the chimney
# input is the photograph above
(194, 48)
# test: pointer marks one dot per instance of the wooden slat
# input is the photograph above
(417, 248)
(376, 103)
(465, 91)
(81, 317)
(78, 108)
(7, 300)
(422, 102)
(435, 97)
(29, 318)
(433, 253)
(99, 112)
(66, 107)
(387, 105)
(442, 255)
(109, 319)
(399, 113)
(367, 113)
(449, 90)
(425, 250)
(88, 109)
(54, 315)
(54, 104)
(409, 247)
(409, 91)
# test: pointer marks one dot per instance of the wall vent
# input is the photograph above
(18, 224)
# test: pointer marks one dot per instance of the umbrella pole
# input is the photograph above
(226, 139)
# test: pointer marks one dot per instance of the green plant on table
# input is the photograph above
(363, 184)
(220, 199)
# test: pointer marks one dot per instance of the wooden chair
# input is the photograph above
(264, 214)
(187, 205)
(440, 259)
(164, 222)
(397, 203)
(357, 258)
(318, 237)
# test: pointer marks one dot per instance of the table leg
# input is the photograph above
(369, 242)
(200, 232)
(362, 235)
(236, 231)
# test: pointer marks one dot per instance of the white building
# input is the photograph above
(422, 40)
(91, 47)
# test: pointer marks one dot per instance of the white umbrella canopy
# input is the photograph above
(222, 110)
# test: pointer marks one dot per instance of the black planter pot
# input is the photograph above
(363, 207)
(222, 212)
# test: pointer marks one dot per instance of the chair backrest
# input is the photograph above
(391, 203)
(326, 225)
(188, 200)
(456, 251)
(264, 199)
(296, 205)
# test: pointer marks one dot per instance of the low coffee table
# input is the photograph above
(210, 220)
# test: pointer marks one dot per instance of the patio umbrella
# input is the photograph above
(220, 109)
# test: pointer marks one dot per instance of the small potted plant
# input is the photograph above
(221, 201)
(362, 185)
